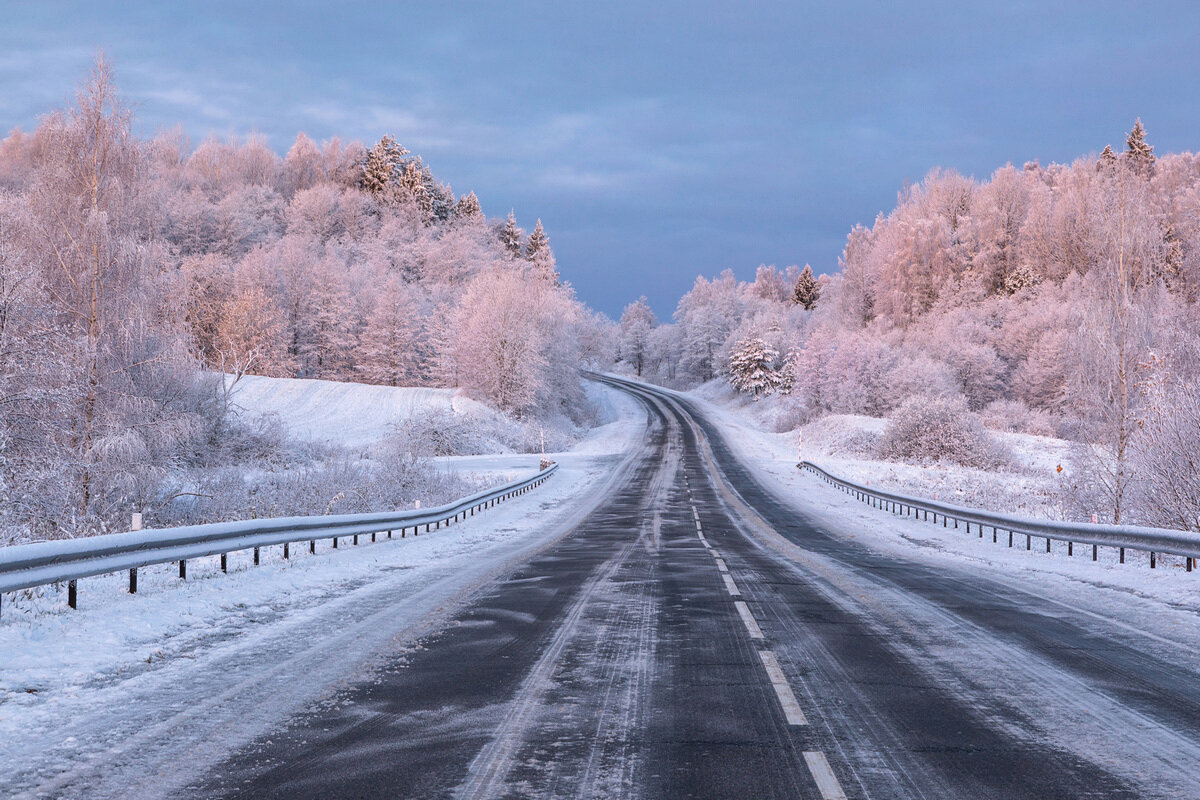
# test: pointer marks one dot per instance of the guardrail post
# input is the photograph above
(372, 536)
(1070, 548)
(1122, 555)
(256, 556)
(71, 595)
(1047, 544)
(335, 542)
(355, 539)
(1028, 542)
(183, 569)
(285, 551)
(1095, 553)
(1189, 563)
(312, 546)
(1010, 535)
(1151, 559)
(133, 580)
(224, 564)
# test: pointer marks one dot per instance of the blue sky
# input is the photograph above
(655, 141)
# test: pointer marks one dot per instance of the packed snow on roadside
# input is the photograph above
(127, 694)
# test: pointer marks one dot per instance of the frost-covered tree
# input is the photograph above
(468, 207)
(390, 347)
(752, 368)
(381, 166)
(1108, 159)
(807, 291)
(637, 322)
(1139, 154)
(511, 237)
(303, 166)
(539, 254)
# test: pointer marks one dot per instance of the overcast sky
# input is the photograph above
(656, 141)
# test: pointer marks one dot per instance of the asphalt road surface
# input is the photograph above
(696, 636)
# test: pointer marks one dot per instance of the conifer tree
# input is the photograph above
(1107, 158)
(467, 207)
(511, 236)
(1139, 153)
(752, 367)
(538, 242)
(380, 167)
(807, 290)
(539, 254)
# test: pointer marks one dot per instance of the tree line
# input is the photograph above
(1056, 299)
(135, 273)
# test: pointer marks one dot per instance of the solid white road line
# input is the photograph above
(827, 782)
(748, 620)
(783, 690)
(730, 585)
(714, 552)
(720, 564)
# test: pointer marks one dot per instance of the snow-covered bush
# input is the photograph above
(1013, 416)
(842, 436)
(922, 430)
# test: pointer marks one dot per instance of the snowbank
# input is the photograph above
(347, 414)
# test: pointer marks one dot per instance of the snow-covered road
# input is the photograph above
(132, 695)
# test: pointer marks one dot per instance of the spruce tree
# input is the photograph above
(511, 236)
(538, 243)
(1139, 154)
(538, 254)
(807, 290)
(752, 367)
(467, 207)
(381, 165)
(1108, 158)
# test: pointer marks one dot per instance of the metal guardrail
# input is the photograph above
(41, 563)
(1121, 537)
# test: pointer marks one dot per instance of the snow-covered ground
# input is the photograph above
(127, 696)
(351, 415)
(844, 444)
(1165, 599)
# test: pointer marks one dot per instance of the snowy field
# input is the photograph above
(129, 695)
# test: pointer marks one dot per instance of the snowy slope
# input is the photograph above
(348, 414)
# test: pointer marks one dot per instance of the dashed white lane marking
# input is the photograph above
(748, 620)
(783, 690)
(730, 585)
(720, 563)
(827, 782)
(704, 541)
(713, 551)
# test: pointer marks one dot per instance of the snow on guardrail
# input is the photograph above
(29, 565)
(1122, 537)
